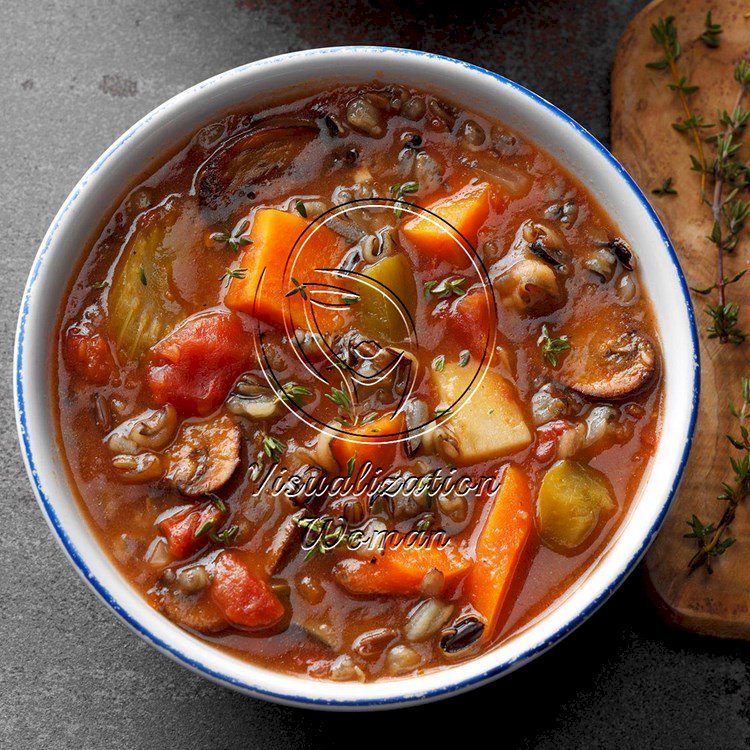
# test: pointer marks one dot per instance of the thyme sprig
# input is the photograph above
(666, 188)
(444, 288)
(728, 175)
(712, 538)
(728, 209)
(710, 36)
(551, 346)
(233, 239)
(664, 32)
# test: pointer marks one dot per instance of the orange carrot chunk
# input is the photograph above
(352, 453)
(499, 546)
(242, 598)
(400, 570)
(465, 211)
(261, 292)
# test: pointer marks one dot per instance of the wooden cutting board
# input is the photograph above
(643, 109)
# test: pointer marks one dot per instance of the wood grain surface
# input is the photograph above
(643, 109)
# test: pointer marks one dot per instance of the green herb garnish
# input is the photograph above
(710, 537)
(273, 447)
(400, 189)
(710, 37)
(552, 346)
(444, 288)
(666, 188)
(232, 273)
(298, 289)
(233, 239)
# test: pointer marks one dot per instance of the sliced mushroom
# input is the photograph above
(251, 159)
(253, 400)
(145, 467)
(610, 367)
(204, 455)
(192, 611)
(152, 430)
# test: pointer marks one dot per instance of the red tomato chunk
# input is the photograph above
(195, 366)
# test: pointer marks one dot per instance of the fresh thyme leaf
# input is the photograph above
(294, 393)
(300, 289)
(710, 37)
(444, 288)
(232, 273)
(217, 501)
(204, 528)
(464, 357)
(350, 299)
(399, 190)
(711, 537)
(226, 536)
(233, 239)
(350, 464)
(665, 188)
(273, 447)
(438, 364)
(142, 275)
(371, 417)
(551, 346)
(101, 284)
(725, 326)
(299, 207)
(340, 397)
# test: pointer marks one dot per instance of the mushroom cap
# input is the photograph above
(607, 366)
(204, 455)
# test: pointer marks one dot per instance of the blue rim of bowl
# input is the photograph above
(300, 700)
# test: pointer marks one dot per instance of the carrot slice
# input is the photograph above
(499, 546)
(399, 571)
(351, 453)
(243, 599)
(262, 291)
(465, 211)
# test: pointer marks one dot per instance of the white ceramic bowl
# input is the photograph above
(477, 89)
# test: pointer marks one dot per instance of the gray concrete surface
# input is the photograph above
(76, 73)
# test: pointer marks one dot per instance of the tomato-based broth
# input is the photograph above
(357, 386)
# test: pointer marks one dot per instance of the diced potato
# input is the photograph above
(490, 424)
(383, 313)
(571, 500)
